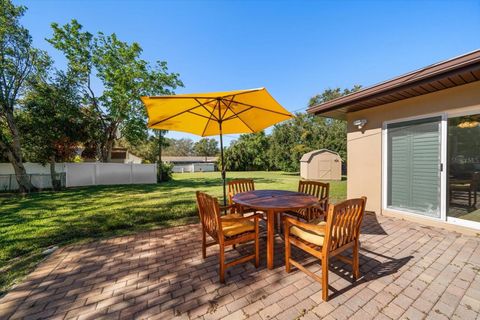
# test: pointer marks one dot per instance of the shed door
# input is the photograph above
(325, 169)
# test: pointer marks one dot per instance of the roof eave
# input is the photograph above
(331, 108)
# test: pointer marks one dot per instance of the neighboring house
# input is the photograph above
(120, 155)
(192, 163)
(414, 142)
(321, 164)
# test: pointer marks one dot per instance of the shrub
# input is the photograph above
(166, 171)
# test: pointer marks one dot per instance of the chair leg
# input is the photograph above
(469, 198)
(222, 264)
(257, 244)
(287, 253)
(325, 278)
(287, 246)
(356, 267)
(234, 246)
(204, 244)
(257, 252)
(279, 222)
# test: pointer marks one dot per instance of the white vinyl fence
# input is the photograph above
(81, 174)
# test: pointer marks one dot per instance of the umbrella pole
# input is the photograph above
(223, 168)
(221, 153)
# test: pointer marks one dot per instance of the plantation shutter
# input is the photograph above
(414, 157)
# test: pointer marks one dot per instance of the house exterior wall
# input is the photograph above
(130, 158)
(193, 167)
(364, 147)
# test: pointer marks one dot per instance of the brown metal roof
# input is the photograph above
(446, 74)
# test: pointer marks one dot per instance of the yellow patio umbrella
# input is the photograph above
(215, 113)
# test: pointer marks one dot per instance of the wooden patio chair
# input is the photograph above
(468, 186)
(325, 240)
(226, 230)
(317, 189)
(237, 186)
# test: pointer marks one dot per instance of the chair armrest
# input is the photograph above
(322, 202)
(307, 226)
(229, 207)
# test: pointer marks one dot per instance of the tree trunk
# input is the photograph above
(160, 165)
(14, 155)
(107, 150)
(56, 183)
(106, 155)
(23, 180)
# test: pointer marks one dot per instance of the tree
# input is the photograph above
(52, 123)
(124, 75)
(293, 138)
(249, 152)
(19, 63)
(161, 143)
(179, 147)
(330, 94)
(206, 147)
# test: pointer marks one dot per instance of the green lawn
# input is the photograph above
(31, 224)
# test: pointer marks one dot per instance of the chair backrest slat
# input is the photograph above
(314, 188)
(210, 214)
(343, 223)
(238, 186)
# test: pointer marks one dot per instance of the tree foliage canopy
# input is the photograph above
(52, 121)
(124, 75)
(179, 147)
(289, 140)
(249, 152)
(207, 147)
(20, 63)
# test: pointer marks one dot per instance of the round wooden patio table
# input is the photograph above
(271, 202)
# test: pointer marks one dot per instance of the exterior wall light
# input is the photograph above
(360, 123)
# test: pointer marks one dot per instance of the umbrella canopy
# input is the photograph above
(242, 111)
(215, 113)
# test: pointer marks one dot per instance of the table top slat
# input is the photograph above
(278, 200)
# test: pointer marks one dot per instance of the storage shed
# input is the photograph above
(321, 164)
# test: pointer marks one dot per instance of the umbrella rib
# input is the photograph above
(206, 109)
(249, 105)
(206, 126)
(200, 115)
(176, 115)
(236, 114)
(209, 119)
(228, 107)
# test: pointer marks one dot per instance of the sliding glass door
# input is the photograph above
(413, 164)
(463, 158)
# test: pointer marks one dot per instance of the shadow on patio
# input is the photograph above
(160, 274)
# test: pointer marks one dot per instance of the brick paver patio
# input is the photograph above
(409, 271)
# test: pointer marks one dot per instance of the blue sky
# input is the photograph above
(293, 48)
